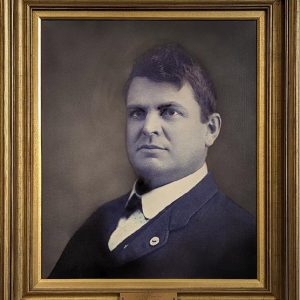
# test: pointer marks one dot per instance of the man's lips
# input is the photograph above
(151, 147)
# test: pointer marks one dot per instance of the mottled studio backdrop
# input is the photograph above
(84, 67)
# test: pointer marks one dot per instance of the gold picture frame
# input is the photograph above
(277, 150)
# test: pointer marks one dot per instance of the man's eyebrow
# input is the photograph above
(170, 104)
(130, 106)
(160, 106)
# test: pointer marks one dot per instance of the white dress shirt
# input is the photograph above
(153, 202)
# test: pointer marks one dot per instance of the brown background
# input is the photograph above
(84, 67)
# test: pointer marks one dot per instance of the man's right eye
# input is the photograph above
(136, 114)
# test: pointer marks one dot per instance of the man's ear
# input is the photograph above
(213, 128)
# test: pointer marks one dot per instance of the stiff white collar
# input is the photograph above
(155, 201)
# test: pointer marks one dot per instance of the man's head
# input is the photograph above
(172, 117)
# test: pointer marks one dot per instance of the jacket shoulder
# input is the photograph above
(80, 252)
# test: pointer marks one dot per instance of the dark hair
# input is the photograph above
(171, 63)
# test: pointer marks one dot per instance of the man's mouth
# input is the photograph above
(150, 147)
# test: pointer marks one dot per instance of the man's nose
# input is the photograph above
(152, 124)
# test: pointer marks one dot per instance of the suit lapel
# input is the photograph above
(190, 203)
(150, 237)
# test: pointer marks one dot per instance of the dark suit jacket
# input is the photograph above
(201, 235)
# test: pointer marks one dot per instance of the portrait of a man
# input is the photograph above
(175, 222)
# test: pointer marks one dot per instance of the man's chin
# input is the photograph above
(151, 169)
(154, 174)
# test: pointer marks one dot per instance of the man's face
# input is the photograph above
(166, 139)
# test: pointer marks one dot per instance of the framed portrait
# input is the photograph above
(86, 119)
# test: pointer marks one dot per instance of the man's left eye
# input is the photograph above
(169, 113)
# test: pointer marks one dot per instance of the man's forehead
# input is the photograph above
(143, 91)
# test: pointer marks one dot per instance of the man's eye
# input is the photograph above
(136, 114)
(169, 113)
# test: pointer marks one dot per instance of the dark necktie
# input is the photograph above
(135, 201)
(134, 204)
